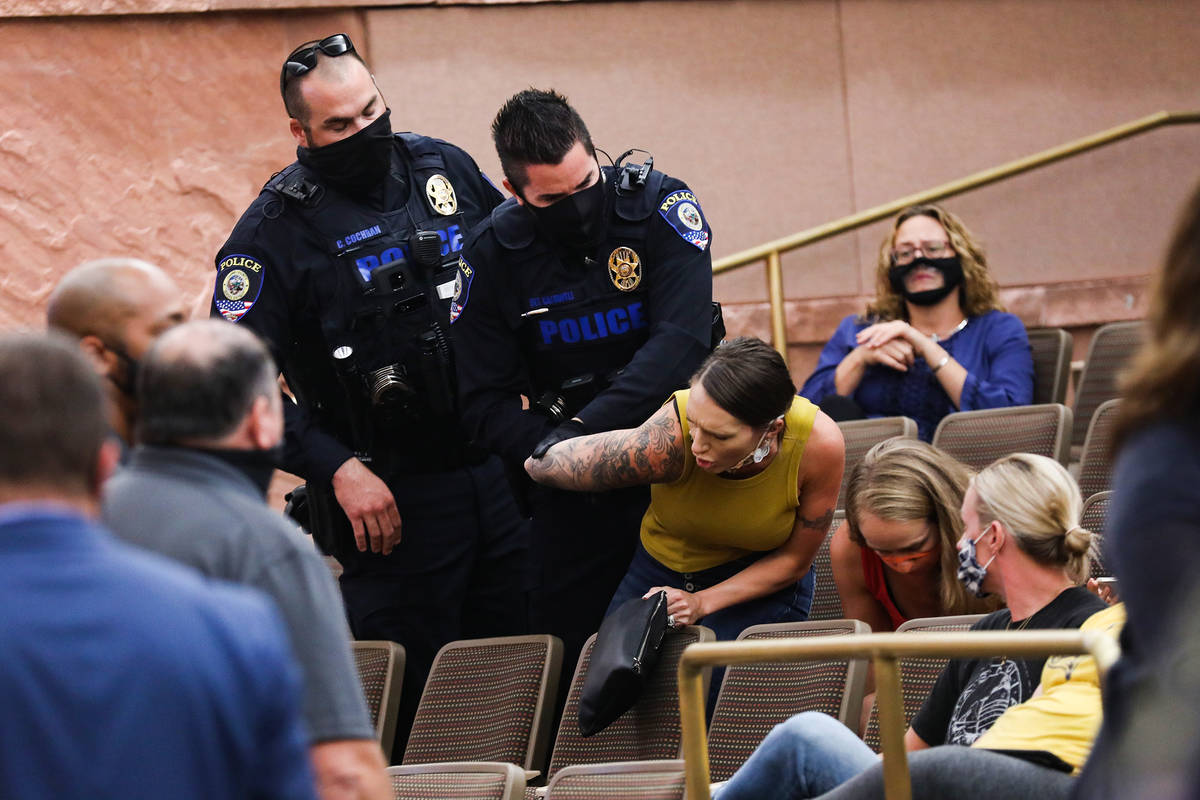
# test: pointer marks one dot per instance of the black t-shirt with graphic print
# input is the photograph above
(971, 694)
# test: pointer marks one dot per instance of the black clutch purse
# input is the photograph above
(625, 653)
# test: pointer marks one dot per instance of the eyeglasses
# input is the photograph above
(905, 254)
(304, 57)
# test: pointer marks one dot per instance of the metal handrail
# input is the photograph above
(771, 251)
(884, 649)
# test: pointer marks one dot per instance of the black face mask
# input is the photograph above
(257, 465)
(951, 269)
(125, 380)
(577, 221)
(357, 164)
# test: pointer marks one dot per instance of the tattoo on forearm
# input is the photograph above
(820, 524)
(615, 459)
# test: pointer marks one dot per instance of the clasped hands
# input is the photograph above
(894, 344)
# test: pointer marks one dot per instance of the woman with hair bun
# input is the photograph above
(1022, 541)
(935, 339)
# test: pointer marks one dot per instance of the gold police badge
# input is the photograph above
(625, 269)
(441, 195)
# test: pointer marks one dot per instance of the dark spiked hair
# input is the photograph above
(536, 127)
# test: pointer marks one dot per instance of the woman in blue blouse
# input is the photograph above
(934, 341)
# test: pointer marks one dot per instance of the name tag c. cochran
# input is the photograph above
(239, 282)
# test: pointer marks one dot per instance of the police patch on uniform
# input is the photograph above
(625, 268)
(441, 195)
(462, 288)
(682, 212)
(239, 281)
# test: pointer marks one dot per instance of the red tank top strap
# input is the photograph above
(873, 568)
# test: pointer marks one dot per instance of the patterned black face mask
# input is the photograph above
(951, 269)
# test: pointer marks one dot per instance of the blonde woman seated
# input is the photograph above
(894, 557)
(745, 476)
(1021, 540)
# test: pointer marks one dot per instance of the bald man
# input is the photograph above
(116, 308)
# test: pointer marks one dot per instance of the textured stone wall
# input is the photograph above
(138, 136)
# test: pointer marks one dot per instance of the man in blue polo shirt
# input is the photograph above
(124, 675)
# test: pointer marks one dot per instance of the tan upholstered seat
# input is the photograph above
(861, 435)
(1096, 463)
(381, 671)
(1051, 350)
(826, 602)
(977, 438)
(488, 700)
(648, 731)
(756, 697)
(457, 781)
(635, 780)
(1110, 350)
(917, 675)
(1094, 518)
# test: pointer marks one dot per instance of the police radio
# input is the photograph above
(632, 177)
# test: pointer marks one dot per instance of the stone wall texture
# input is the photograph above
(144, 127)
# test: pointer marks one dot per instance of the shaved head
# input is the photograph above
(337, 70)
(103, 298)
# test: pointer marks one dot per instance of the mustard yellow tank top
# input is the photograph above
(703, 520)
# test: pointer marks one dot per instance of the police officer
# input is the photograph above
(345, 265)
(589, 293)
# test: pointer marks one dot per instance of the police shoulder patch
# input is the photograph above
(239, 282)
(682, 212)
(462, 289)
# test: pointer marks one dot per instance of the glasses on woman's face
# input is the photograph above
(906, 253)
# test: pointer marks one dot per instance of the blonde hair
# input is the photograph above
(906, 479)
(1164, 378)
(979, 293)
(1039, 504)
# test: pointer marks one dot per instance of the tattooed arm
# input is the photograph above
(819, 480)
(651, 453)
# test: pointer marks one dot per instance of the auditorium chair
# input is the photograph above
(917, 675)
(1096, 463)
(860, 435)
(826, 602)
(631, 780)
(648, 731)
(1094, 519)
(381, 671)
(977, 438)
(457, 781)
(756, 697)
(1051, 350)
(488, 700)
(1110, 350)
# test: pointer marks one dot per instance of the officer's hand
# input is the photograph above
(369, 505)
(566, 430)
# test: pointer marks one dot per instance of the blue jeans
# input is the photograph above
(789, 604)
(806, 756)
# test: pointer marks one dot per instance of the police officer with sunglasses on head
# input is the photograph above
(345, 264)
